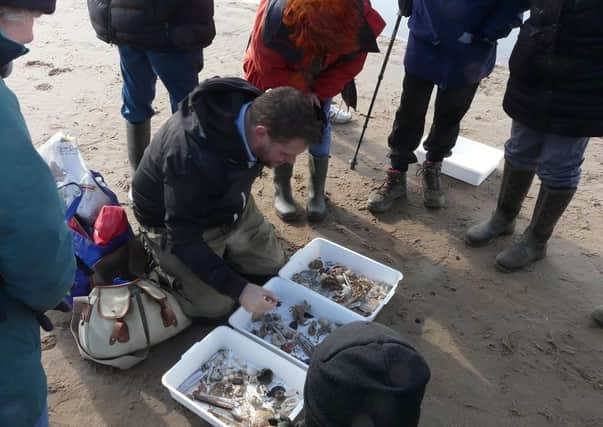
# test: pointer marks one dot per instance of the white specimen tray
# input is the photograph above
(359, 264)
(471, 161)
(225, 338)
(263, 354)
(290, 293)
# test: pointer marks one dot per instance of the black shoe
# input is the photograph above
(433, 196)
(391, 189)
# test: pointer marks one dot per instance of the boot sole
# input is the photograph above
(504, 269)
(289, 217)
(473, 244)
(387, 207)
(434, 206)
(316, 217)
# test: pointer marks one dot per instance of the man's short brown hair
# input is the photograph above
(287, 113)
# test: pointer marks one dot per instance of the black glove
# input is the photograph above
(45, 322)
(405, 7)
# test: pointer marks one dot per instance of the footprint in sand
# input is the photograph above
(37, 63)
(48, 342)
(44, 87)
(57, 71)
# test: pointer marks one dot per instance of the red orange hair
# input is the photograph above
(323, 27)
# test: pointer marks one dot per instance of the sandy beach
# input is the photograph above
(505, 350)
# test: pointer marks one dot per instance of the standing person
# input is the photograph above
(37, 265)
(192, 191)
(452, 45)
(316, 46)
(555, 98)
(162, 39)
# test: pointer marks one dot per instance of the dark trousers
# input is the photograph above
(177, 69)
(450, 107)
(555, 158)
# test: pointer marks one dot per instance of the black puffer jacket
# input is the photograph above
(155, 25)
(188, 182)
(556, 69)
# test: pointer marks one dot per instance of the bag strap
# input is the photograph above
(104, 188)
(84, 267)
(75, 203)
(143, 317)
(122, 362)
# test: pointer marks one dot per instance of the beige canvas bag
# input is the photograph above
(117, 324)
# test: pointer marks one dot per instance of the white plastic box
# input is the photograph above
(225, 338)
(290, 293)
(471, 161)
(359, 264)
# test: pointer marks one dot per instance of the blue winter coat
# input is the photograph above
(37, 265)
(434, 51)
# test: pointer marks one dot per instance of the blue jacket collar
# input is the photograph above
(9, 50)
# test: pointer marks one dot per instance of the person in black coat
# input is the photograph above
(164, 39)
(555, 98)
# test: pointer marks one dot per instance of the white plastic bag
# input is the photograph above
(67, 166)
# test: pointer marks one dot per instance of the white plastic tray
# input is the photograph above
(290, 293)
(471, 161)
(359, 264)
(225, 338)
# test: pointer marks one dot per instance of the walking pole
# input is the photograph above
(354, 160)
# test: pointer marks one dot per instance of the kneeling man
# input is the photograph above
(192, 189)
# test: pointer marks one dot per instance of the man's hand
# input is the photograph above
(257, 300)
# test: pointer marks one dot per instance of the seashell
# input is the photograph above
(261, 417)
(277, 392)
(288, 346)
(237, 381)
(312, 328)
(216, 375)
(316, 264)
(293, 325)
(330, 282)
(265, 376)
(256, 402)
(289, 405)
(277, 340)
(237, 414)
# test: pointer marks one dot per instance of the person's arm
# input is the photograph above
(330, 82)
(187, 204)
(37, 265)
(500, 22)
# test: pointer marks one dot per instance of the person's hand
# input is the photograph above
(257, 300)
(315, 100)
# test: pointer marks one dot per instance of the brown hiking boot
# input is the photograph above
(433, 196)
(390, 190)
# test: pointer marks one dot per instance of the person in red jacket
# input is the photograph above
(316, 46)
